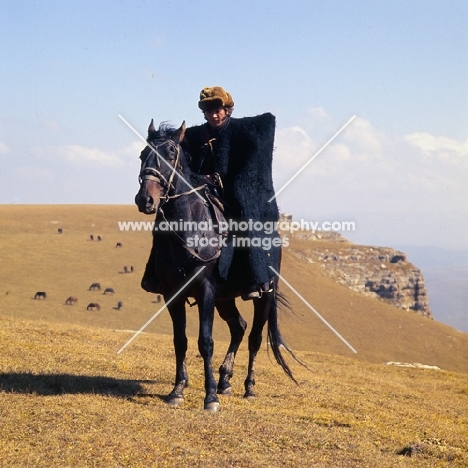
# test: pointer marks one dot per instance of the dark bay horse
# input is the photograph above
(171, 190)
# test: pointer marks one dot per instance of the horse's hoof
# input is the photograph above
(225, 391)
(174, 401)
(250, 395)
(212, 407)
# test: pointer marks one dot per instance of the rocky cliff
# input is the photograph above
(380, 272)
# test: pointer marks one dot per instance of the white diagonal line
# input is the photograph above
(314, 311)
(161, 309)
(153, 148)
(312, 158)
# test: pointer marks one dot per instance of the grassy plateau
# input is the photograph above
(68, 399)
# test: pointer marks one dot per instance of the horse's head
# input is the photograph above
(159, 161)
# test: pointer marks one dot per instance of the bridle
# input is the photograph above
(155, 174)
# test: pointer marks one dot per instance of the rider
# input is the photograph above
(201, 143)
(217, 106)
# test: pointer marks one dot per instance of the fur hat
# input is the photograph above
(215, 96)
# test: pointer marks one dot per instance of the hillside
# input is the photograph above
(36, 258)
(378, 272)
(68, 399)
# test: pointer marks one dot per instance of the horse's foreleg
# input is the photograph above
(177, 312)
(261, 311)
(205, 344)
(228, 312)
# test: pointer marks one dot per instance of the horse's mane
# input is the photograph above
(164, 132)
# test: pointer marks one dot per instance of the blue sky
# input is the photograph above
(400, 170)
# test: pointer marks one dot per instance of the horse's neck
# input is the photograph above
(183, 195)
(188, 205)
(183, 215)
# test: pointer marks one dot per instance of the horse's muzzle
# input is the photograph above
(145, 204)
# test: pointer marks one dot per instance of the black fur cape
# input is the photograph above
(243, 158)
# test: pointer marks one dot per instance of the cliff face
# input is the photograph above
(379, 272)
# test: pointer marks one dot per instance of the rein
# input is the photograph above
(156, 175)
(184, 244)
(150, 173)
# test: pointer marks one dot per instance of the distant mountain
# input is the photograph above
(446, 277)
(429, 257)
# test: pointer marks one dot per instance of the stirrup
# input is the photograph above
(267, 286)
(257, 291)
(254, 292)
(249, 296)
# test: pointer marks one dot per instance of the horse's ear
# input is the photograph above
(151, 127)
(179, 133)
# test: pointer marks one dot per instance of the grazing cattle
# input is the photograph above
(93, 306)
(108, 291)
(91, 237)
(59, 231)
(132, 269)
(40, 295)
(125, 269)
(72, 300)
(99, 238)
(118, 245)
(95, 287)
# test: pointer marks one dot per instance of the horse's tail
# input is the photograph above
(274, 335)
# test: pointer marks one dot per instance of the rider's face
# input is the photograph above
(215, 117)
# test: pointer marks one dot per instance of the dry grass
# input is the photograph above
(68, 399)
(36, 258)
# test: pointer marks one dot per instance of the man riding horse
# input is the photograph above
(236, 157)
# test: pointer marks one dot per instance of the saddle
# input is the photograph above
(217, 205)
